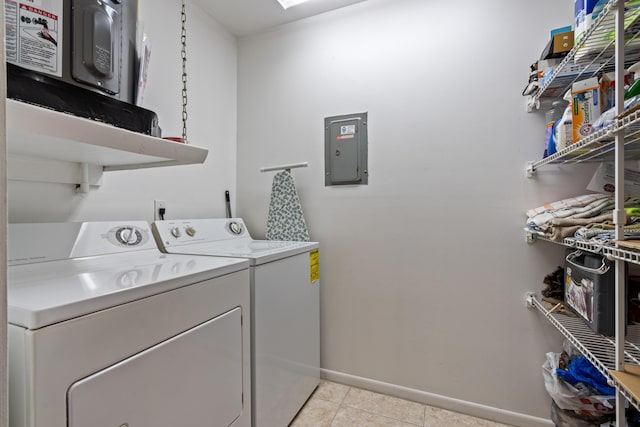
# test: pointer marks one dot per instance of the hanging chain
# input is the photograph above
(183, 40)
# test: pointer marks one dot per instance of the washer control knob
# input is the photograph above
(235, 227)
(191, 231)
(175, 231)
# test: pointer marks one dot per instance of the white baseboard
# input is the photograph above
(455, 405)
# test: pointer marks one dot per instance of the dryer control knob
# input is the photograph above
(191, 231)
(175, 231)
(235, 227)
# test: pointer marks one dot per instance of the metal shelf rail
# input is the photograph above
(598, 349)
(599, 146)
(593, 54)
(569, 242)
(612, 252)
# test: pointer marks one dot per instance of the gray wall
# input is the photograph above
(423, 271)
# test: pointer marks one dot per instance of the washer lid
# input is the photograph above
(44, 293)
(256, 251)
(222, 237)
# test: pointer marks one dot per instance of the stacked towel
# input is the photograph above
(585, 217)
(285, 221)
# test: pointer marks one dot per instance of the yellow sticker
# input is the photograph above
(314, 265)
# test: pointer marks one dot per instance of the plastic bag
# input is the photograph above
(578, 398)
(564, 418)
(609, 116)
(580, 370)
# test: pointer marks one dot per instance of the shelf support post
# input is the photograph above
(83, 187)
(619, 214)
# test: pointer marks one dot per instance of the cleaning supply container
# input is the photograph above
(590, 291)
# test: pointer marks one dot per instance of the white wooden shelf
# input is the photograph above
(42, 133)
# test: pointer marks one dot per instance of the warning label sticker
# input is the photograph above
(347, 130)
(314, 265)
(33, 35)
(341, 137)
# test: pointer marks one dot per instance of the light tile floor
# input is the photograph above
(338, 405)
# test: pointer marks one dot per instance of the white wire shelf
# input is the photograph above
(598, 349)
(599, 146)
(594, 53)
(568, 242)
(610, 251)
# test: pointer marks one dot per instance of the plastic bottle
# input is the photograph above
(634, 89)
(552, 116)
(564, 127)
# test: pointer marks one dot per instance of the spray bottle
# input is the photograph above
(634, 89)
(564, 126)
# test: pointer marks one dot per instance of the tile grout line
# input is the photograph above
(343, 405)
(424, 417)
(377, 415)
(345, 395)
(339, 406)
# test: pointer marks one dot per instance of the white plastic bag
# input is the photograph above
(576, 398)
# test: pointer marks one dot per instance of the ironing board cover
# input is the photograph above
(285, 221)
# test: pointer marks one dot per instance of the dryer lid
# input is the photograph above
(65, 270)
(45, 293)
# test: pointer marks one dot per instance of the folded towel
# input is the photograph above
(572, 202)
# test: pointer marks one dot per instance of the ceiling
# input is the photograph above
(246, 17)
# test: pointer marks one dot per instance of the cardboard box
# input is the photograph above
(558, 46)
(563, 42)
(586, 106)
(559, 30)
(544, 64)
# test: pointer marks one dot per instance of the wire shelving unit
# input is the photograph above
(600, 51)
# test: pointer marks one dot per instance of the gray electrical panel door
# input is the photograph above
(346, 149)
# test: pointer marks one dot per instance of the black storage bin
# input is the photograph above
(590, 289)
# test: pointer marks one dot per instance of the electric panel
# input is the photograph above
(345, 147)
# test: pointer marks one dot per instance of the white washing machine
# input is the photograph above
(285, 309)
(107, 331)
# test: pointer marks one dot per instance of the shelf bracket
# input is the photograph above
(530, 170)
(529, 299)
(529, 237)
(32, 169)
(533, 103)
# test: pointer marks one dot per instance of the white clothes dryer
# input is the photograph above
(105, 330)
(285, 309)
